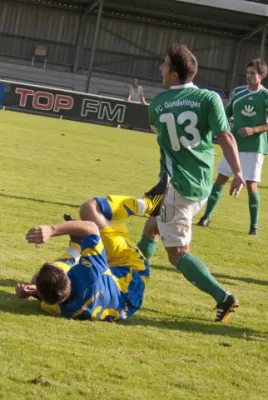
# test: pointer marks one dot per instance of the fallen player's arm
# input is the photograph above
(24, 291)
(43, 233)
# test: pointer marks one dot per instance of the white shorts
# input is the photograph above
(251, 164)
(175, 221)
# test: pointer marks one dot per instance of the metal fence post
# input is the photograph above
(94, 45)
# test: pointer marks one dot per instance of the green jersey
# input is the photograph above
(249, 109)
(185, 119)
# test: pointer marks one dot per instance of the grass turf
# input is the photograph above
(171, 349)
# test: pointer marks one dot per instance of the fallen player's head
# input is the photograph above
(52, 284)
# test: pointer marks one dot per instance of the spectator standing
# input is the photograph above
(136, 93)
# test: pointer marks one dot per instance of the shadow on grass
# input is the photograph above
(8, 282)
(164, 268)
(240, 278)
(193, 325)
(40, 201)
(215, 228)
(10, 303)
(216, 275)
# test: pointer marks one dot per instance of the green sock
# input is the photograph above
(213, 199)
(254, 208)
(196, 272)
(147, 246)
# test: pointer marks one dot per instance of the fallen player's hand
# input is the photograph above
(39, 235)
(24, 291)
(237, 185)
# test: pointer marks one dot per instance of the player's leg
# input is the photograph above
(224, 172)
(115, 208)
(254, 206)
(123, 254)
(175, 227)
(251, 164)
(149, 240)
(127, 265)
(120, 250)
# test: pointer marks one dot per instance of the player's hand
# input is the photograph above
(237, 185)
(39, 235)
(246, 131)
(24, 291)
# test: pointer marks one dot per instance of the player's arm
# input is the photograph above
(248, 131)
(144, 100)
(24, 291)
(129, 94)
(154, 129)
(152, 122)
(229, 106)
(220, 128)
(230, 151)
(152, 119)
(143, 97)
(43, 233)
(92, 250)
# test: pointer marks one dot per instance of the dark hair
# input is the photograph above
(53, 284)
(183, 62)
(260, 66)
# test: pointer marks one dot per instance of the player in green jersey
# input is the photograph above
(248, 106)
(185, 118)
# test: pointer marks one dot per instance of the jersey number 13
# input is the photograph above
(191, 129)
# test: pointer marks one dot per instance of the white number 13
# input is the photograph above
(175, 141)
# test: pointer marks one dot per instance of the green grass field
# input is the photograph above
(171, 349)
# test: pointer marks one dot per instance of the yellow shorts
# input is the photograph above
(120, 250)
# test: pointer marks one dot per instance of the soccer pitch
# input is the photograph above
(171, 349)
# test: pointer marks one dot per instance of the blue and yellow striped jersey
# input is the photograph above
(100, 292)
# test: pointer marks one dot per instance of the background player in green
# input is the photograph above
(248, 106)
(185, 118)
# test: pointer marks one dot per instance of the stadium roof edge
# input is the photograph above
(242, 6)
(194, 15)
